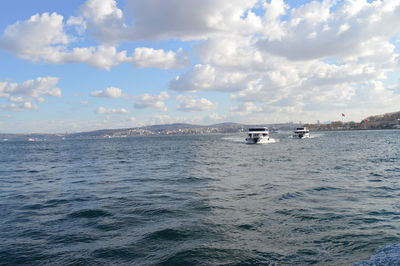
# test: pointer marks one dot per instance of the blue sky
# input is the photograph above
(78, 65)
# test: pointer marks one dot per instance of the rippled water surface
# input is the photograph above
(202, 200)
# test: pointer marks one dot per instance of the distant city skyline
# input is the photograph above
(81, 65)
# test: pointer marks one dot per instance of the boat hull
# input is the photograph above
(301, 136)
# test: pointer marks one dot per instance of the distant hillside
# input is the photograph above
(385, 121)
(167, 129)
(389, 117)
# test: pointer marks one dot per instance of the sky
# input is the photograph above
(79, 65)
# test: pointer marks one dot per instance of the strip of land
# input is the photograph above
(385, 121)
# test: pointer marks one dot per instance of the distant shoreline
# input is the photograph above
(46, 137)
(378, 122)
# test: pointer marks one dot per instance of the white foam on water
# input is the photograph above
(271, 140)
(389, 255)
(243, 140)
(310, 137)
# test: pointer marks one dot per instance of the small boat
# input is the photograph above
(301, 133)
(258, 135)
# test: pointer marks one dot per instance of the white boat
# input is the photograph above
(301, 133)
(258, 135)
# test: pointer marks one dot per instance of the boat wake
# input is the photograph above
(389, 255)
(310, 137)
(241, 140)
(271, 140)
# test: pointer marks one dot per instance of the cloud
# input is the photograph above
(245, 109)
(131, 119)
(103, 110)
(208, 78)
(322, 56)
(18, 107)
(166, 119)
(111, 92)
(190, 19)
(341, 32)
(43, 38)
(17, 99)
(45, 86)
(102, 56)
(107, 57)
(152, 101)
(104, 20)
(214, 117)
(188, 103)
(149, 57)
(22, 94)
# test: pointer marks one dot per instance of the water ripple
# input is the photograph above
(202, 200)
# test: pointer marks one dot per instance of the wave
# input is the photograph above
(92, 213)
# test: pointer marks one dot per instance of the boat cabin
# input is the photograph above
(255, 132)
(301, 130)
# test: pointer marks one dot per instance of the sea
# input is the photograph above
(333, 199)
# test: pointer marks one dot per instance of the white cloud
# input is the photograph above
(111, 92)
(22, 94)
(149, 57)
(18, 107)
(190, 19)
(102, 56)
(350, 25)
(104, 19)
(79, 24)
(245, 109)
(17, 99)
(29, 106)
(208, 78)
(304, 65)
(214, 117)
(12, 107)
(131, 119)
(161, 119)
(188, 103)
(166, 119)
(152, 101)
(43, 38)
(45, 86)
(103, 110)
